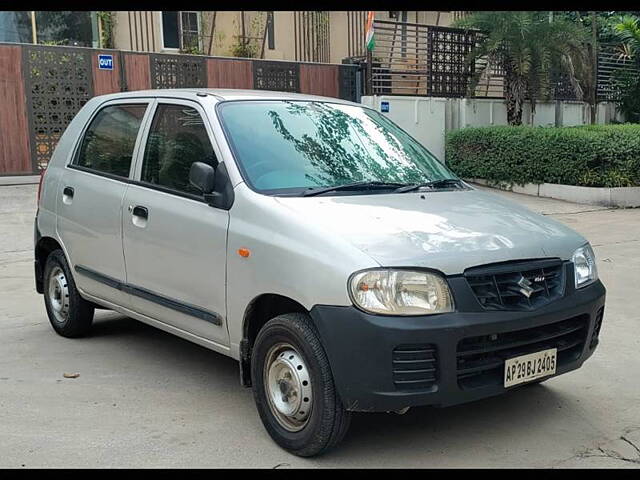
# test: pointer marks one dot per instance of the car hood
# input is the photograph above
(444, 230)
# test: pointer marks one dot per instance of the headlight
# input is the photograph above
(400, 292)
(584, 266)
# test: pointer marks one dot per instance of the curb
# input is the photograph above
(622, 197)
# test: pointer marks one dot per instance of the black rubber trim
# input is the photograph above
(98, 173)
(170, 191)
(38, 268)
(363, 369)
(151, 296)
(98, 277)
(150, 186)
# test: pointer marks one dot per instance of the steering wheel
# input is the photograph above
(259, 169)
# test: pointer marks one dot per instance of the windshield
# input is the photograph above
(291, 146)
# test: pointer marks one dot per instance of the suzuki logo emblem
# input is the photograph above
(525, 287)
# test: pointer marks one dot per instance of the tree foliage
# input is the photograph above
(528, 46)
(626, 29)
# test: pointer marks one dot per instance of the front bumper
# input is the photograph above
(362, 349)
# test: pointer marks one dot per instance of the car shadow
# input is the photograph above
(431, 430)
(166, 346)
(461, 428)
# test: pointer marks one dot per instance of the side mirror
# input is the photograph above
(215, 185)
(202, 176)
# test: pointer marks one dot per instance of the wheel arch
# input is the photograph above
(259, 311)
(43, 249)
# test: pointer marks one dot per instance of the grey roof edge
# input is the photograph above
(225, 94)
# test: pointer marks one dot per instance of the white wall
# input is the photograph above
(422, 117)
(607, 112)
(427, 119)
(481, 112)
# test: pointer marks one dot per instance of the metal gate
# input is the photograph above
(417, 59)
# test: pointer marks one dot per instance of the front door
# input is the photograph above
(174, 242)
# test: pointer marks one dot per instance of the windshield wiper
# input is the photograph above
(352, 186)
(444, 182)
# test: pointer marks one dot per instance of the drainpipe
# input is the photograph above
(558, 107)
(34, 35)
(213, 29)
(594, 53)
(243, 29)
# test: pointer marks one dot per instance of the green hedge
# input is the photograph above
(591, 155)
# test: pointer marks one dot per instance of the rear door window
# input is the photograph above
(108, 143)
(177, 138)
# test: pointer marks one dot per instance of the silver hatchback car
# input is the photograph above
(317, 243)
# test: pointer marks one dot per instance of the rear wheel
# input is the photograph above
(70, 314)
(293, 387)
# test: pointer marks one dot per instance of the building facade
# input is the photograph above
(313, 36)
(308, 36)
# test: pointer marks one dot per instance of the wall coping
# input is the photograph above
(19, 179)
(623, 197)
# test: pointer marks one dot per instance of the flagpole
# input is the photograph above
(369, 45)
(369, 82)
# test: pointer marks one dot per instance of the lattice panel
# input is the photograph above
(612, 60)
(449, 71)
(490, 77)
(348, 83)
(58, 83)
(178, 71)
(278, 76)
(562, 88)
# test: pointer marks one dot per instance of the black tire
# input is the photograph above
(328, 421)
(78, 316)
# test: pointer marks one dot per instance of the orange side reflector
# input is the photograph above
(244, 252)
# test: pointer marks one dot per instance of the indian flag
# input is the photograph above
(370, 40)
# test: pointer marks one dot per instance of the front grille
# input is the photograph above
(517, 285)
(415, 366)
(596, 329)
(480, 360)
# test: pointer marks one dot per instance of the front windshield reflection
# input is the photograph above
(284, 145)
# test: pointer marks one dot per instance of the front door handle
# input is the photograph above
(139, 215)
(139, 211)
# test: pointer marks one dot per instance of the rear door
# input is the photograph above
(89, 200)
(174, 242)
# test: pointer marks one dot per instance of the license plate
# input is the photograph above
(529, 367)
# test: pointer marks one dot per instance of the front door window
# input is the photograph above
(177, 139)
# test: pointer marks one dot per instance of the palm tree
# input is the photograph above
(627, 29)
(527, 46)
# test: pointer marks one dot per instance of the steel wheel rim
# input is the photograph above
(287, 384)
(59, 295)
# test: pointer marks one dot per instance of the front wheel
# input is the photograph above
(293, 387)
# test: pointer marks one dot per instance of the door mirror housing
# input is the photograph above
(215, 185)
(202, 176)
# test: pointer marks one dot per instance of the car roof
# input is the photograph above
(225, 94)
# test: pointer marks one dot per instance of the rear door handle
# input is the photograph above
(67, 195)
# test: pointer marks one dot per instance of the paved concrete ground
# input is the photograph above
(147, 399)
